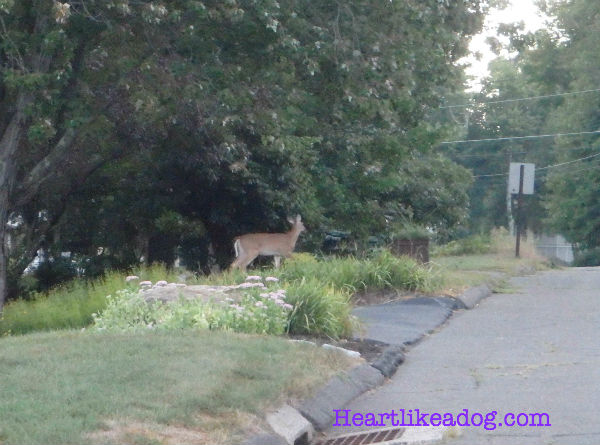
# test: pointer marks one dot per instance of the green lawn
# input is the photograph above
(75, 387)
(460, 272)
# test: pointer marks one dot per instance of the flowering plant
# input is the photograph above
(259, 309)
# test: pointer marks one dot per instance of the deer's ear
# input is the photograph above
(291, 221)
(298, 218)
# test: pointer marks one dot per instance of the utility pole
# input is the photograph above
(519, 210)
(511, 220)
(520, 182)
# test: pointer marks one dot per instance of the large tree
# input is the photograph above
(70, 73)
(227, 115)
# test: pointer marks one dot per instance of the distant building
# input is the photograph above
(554, 247)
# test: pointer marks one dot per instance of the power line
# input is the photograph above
(511, 138)
(487, 155)
(543, 168)
(504, 153)
(489, 176)
(569, 162)
(521, 99)
(583, 169)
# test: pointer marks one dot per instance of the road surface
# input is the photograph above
(533, 354)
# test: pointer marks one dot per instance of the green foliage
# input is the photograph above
(318, 290)
(193, 122)
(319, 309)
(589, 257)
(258, 312)
(382, 270)
(306, 306)
(410, 231)
(472, 245)
(71, 304)
(559, 59)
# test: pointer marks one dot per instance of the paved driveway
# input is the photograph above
(536, 350)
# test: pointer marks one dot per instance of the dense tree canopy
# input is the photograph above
(139, 126)
(557, 67)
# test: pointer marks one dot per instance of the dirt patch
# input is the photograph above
(135, 433)
(369, 349)
(214, 431)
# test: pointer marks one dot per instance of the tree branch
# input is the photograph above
(44, 169)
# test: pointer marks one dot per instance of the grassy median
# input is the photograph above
(74, 387)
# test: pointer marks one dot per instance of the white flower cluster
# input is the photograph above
(154, 13)
(6, 5)
(62, 11)
(148, 284)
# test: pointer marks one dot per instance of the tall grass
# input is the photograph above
(72, 304)
(319, 289)
(319, 309)
(383, 270)
(472, 245)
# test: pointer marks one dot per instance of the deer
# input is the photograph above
(249, 246)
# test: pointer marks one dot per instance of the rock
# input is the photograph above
(290, 424)
(204, 293)
(348, 352)
(337, 393)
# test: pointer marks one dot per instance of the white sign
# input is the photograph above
(528, 177)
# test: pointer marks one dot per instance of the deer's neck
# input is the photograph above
(294, 233)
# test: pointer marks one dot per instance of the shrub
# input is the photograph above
(319, 309)
(473, 245)
(589, 257)
(259, 311)
(402, 273)
(71, 304)
(410, 231)
(319, 289)
(382, 270)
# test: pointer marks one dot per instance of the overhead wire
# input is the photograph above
(497, 176)
(504, 153)
(543, 168)
(520, 99)
(509, 138)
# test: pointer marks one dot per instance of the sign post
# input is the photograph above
(520, 181)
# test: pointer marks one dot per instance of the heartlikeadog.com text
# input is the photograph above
(415, 417)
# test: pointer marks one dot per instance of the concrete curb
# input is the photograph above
(389, 360)
(338, 392)
(472, 296)
(289, 423)
(293, 429)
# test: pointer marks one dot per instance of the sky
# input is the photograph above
(519, 10)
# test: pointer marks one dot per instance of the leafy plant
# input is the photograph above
(476, 244)
(71, 304)
(410, 231)
(381, 270)
(259, 311)
(319, 309)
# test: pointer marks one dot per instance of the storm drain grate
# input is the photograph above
(380, 437)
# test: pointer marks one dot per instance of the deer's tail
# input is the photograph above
(236, 247)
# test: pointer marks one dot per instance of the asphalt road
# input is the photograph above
(536, 350)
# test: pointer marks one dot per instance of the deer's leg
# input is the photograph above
(246, 258)
(277, 259)
(235, 264)
(240, 261)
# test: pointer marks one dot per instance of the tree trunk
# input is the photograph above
(3, 260)
(9, 144)
(7, 176)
